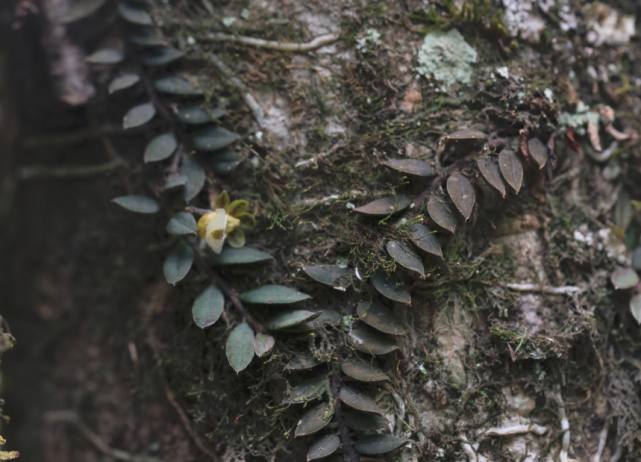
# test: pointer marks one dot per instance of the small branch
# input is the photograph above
(271, 44)
(39, 172)
(348, 448)
(603, 437)
(73, 418)
(314, 160)
(566, 290)
(516, 430)
(197, 210)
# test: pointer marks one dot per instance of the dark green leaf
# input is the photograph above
(240, 347)
(363, 421)
(314, 420)
(77, 11)
(326, 317)
(122, 82)
(405, 256)
(225, 162)
(370, 341)
(385, 206)
(174, 85)
(106, 56)
(491, 173)
(410, 166)
(307, 391)
(273, 294)
(441, 213)
(138, 204)
(331, 275)
(379, 317)
(511, 169)
(291, 318)
(175, 182)
(379, 444)
(147, 36)
(390, 287)
(182, 223)
(302, 361)
(462, 194)
(360, 370)
(358, 400)
(208, 307)
(194, 114)
(178, 263)
(624, 278)
(195, 175)
(538, 151)
(636, 258)
(139, 115)
(623, 210)
(426, 240)
(161, 147)
(324, 447)
(263, 344)
(213, 139)
(467, 135)
(161, 56)
(242, 256)
(134, 15)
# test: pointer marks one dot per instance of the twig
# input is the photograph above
(603, 437)
(566, 290)
(272, 44)
(37, 172)
(516, 430)
(118, 454)
(313, 160)
(197, 210)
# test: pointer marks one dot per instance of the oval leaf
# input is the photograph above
(208, 307)
(467, 135)
(385, 206)
(174, 85)
(134, 15)
(161, 147)
(462, 194)
(363, 371)
(491, 173)
(307, 391)
(77, 11)
(263, 344)
(331, 275)
(106, 56)
(123, 82)
(147, 36)
(182, 223)
(359, 401)
(213, 139)
(302, 361)
(225, 162)
(363, 421)
(161, 56)
(538, 151)
(195, 175)
(324, 447)
(511, 169)
(194, 114)
(240, 347)
(426, 240)
(369, 341)
(138, 204)
(623, 210)
(379, 317)
(441, 213)
(410, 166)
(624, 278)
(243, 256)
(272, 294)
(326, 317)
(390, 287)
(138, 116)
(405, 256)
(314, 420)
(291, 318)
(178, 263)
(379, 444)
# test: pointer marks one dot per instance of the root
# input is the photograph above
(566, 290)
(565, 426)
(272, 44)
(516, 430)
(602, 439)
(469, 450)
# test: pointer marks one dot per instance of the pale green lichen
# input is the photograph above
(446, 56)
(579, 119)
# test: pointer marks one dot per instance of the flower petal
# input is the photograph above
(236, 238)
(222, 201)
(203, 222)
(247, 220)
(215, 234)
(237, 207)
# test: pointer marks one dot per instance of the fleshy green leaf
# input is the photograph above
(138, 204)
(385, 206)
(331, 275)
(147, 36)
(379, 317)
(379, 444)
(390, 287)
(225, 162)
(327, 317)
(511, 169)
(240, 347)
(441, 213)
(426, 240)
(106, 56)
(324, 447)
(243, 256)
(489, 169)
(273, 294)
(405, 256)
(213, 139)
(263, 344)
(307, 391)
(182, 223)
(208, 307)
(370, 341)
(194, 114)
(462, 194)
(363, 421)
(410, 166)
(77, 11)
(138, 115)
(134, 15)
(161, 56)
(195, 175)
(358, 400)
(302, 361)
(161, 147)
(314, 420)
(467, 135)
(365, 372)
(123, 82)
(174, 85)
(623, 210)
(175, 182)
(624, 278)
(538, 151)
(291, 318)
(178, 263)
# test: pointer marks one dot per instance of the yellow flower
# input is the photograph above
(228, 221)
